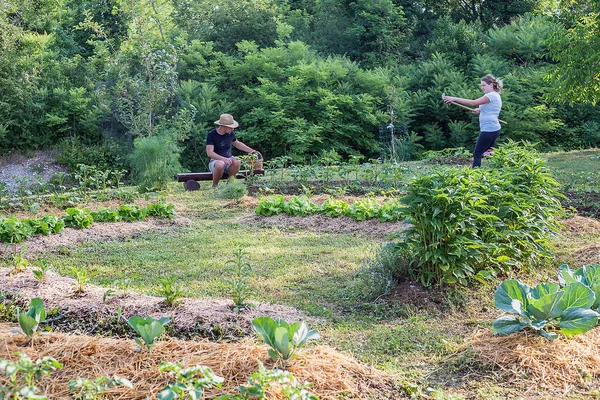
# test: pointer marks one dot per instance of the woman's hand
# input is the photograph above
(449, 99)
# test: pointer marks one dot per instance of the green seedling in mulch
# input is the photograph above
(43, 266)
(23, 374)
(191, 381)
(148, 328)
(19, 262)
(30, 321)
(170, 292)
(261, 380)
(241, 272)
(285, 339)
(81, 280)
(86, 389)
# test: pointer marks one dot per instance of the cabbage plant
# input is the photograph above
(283, 338)
(30, 321)
(544, 308)
(148, 328)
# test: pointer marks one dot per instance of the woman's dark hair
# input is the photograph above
(492, 80)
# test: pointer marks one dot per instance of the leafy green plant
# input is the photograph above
(545, 307)
(240, 273)
(261, 380)
(161, 209)
(333, 207)
(55, 224)
(43, 266)
(78, 218)
(363, 209)
(300, 205)
(19, 262)
(30, 321)
(475, 223)
(589, 275)
(148, 328)
(132, 213)
(104, 214)
(12, 230)
(192, 381)
(81, 279)
(271, 205)
(285, 339)
(170, 292)
(23, 374)
(86, 389)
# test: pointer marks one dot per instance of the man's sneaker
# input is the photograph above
(488, 153)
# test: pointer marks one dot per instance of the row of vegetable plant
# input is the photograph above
(65, 190)
(15, 230)
(360, 210)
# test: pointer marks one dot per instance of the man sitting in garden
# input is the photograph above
(218, 147)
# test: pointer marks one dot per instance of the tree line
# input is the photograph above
(121, 83)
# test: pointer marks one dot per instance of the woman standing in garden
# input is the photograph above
(489, 105)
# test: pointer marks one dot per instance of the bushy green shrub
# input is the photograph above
(233, 190)
(473, 223)
(154, 162)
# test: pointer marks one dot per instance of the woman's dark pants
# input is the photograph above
(485, 141)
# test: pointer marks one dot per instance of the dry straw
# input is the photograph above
(562, 364)
(332, 373)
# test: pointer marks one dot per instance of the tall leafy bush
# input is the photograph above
(472, 223)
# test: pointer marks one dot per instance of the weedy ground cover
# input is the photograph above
(412, 332)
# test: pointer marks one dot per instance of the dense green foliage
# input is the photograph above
(137, 85)
(569, 306)
(473, 223)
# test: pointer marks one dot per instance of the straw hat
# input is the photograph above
(227, 120)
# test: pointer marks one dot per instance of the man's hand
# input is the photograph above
(228, 161)
(476, 111)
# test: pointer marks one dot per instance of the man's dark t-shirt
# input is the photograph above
(222, 143)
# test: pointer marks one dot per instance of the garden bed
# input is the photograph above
(334, 375)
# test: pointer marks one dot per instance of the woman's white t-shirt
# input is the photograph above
(489, 112)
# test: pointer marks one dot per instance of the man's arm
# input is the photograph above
(241, 146)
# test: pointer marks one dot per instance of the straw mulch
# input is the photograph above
(562, 364)
(332, 373)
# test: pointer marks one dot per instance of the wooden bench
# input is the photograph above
(190, 179)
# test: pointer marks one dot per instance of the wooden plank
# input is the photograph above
(207, 176)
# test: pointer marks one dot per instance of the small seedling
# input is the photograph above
(109, 294)
(170, 292)
(148, 328)
(19, 262)
(29, 321)
(192, 380)
(81, 280)
(241, 272)
(22, 376)
(43, 266)
(85, 389)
